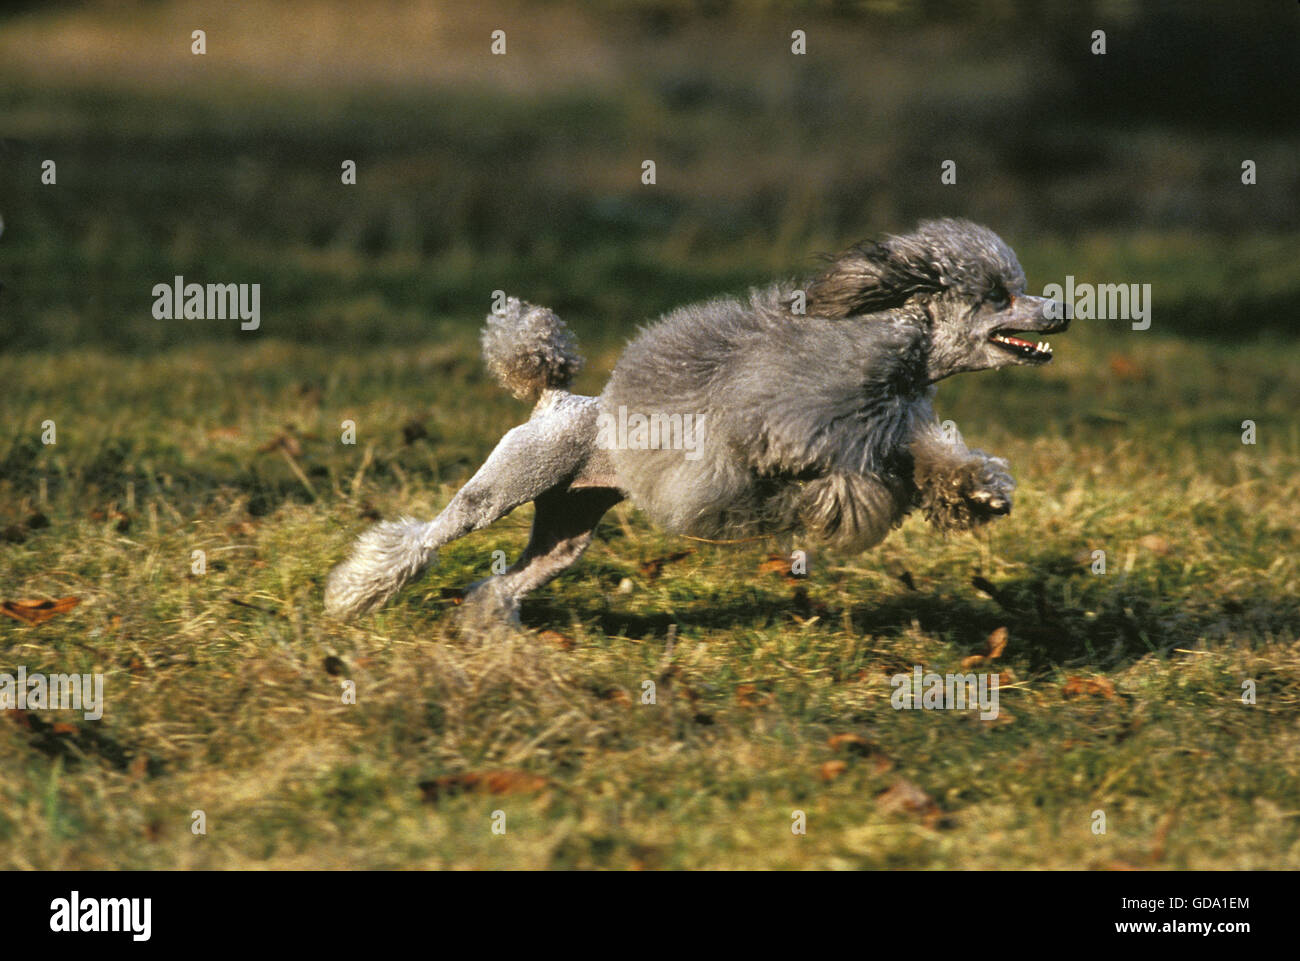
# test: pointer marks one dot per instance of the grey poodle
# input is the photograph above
(796, 411)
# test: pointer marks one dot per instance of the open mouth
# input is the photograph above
(1040, 351)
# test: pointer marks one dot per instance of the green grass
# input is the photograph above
(219, 698)
(224, 688)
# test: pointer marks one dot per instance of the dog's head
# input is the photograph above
(956, 279)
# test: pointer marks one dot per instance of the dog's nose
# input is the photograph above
(1048, 309)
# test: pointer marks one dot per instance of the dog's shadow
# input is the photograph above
(1113, 630)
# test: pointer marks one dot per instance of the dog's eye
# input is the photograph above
(999, 298)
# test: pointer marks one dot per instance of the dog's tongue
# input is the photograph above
(1017, 342)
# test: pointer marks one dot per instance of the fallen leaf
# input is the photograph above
(1088, 687)
(556, 638)
(490, 782)
(1156, 545)
(993, 647)
(37, 612)
(1124, 368)
(653, 568)
(748, 696)
(852, 742)
(286, 440)
(830, 770)
(779, 564)
(1161, 836)
(997, 643)
(905, 797)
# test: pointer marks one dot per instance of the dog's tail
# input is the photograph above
(384, 560)
(528, 349)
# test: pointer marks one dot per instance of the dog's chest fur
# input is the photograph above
(785, 401)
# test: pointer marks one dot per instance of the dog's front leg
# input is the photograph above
(958, 488)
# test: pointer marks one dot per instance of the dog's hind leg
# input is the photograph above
(531, 459)
(563, 525)
(958, 488)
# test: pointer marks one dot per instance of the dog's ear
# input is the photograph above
(868, 278)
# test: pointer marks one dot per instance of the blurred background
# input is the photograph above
(523, 172)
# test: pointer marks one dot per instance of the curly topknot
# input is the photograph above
(528, 349)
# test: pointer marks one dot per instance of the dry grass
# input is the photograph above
(224, 690)
(219, 697)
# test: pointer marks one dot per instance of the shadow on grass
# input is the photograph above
(1125, 624)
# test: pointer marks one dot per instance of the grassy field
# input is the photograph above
(1122, 691)
(224, 695)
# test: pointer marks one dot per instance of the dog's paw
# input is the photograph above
(488, 608)
(989, 490)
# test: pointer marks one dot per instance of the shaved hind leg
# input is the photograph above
(548, 452)
(562, 528)
(530, 459)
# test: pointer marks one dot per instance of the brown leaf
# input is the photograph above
(905, 797)
(1156, 545)
(778, 564)
(1088, 687)
(556, 638)
(830, 770)
(852, 742)
(654, 567)
(286, 440)
(1161, 836)
(1124, 368)
(748, 696)
(997, 643)
(490, 782)
(993, 647)
(37, 612)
